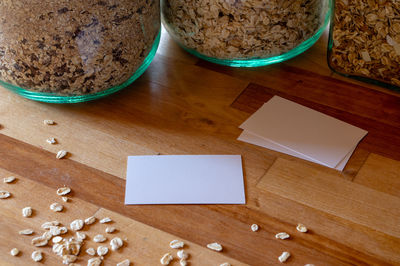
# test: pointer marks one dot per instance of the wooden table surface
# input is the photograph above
(183, 105)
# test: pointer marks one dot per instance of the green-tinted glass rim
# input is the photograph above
(256, 62)
(54, 98)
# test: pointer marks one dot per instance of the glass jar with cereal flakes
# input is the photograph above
(364, 41)
(73, 51)
(245, 33)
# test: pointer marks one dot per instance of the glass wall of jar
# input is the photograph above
(245, 33)
(71, 50)
(364, 41)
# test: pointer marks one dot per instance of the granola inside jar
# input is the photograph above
(72, 50)
(245, 32)
(364, 41)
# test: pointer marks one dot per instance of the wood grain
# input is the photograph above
(330, 233)
(380, 173)
(345, 199)
(139, 237)
(182, 105)
(107, 192)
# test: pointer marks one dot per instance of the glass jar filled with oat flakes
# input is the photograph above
(364, 41)
(73, 51)
(245, 33)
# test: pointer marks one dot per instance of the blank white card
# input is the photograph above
(185, 179)
(315, 136)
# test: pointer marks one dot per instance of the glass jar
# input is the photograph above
(70, 51)
(364, 41)
(245, 33)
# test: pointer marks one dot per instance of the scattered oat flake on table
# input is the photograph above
(282, 235)
(80, 236)
(67, 259)
(63, 191)
(90, 220)
(301, 228)
(57, 239)
(57, 249)
(254, 227)
(51, 140)
(105, 220)
(94, 262)
(55, 230)
(47, 235)
(182, 254)
(14, 252)
(48, 122)
(27, 212)
(102, 250)
(110, 230)
(65, 199)
(37, 255)
(176, 244)
(47, 225)
(9, 179)
(4, 194)
(76, 225)
(124, 263)
(56, 207)
(116, 243)
(26, 232)
(215, 246)
(99, 238)
(63, 230)
(309, 265)
(225, 264)
(285, 255)
(61, 154)
(183, 262)
(166, 259)
(91, 251)
(39, 241)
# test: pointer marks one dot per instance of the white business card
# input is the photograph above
(185, 179)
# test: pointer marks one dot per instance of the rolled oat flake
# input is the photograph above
(302, 228)
(61, 154)
(124, 263)
(77, 225)
(215, 246)
(166, 259)
(63, 191)
(27, 212)
(4, 194)
(9, 179)
(284, 256)
(37, 255)
(99, 238)
(14, 252)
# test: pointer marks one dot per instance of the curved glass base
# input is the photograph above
(54, 98)
(256, 62)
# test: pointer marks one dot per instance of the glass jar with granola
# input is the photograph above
(364, 41)
(72, 51)
(245, 33)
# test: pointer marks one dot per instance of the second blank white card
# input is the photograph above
(316, 136)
